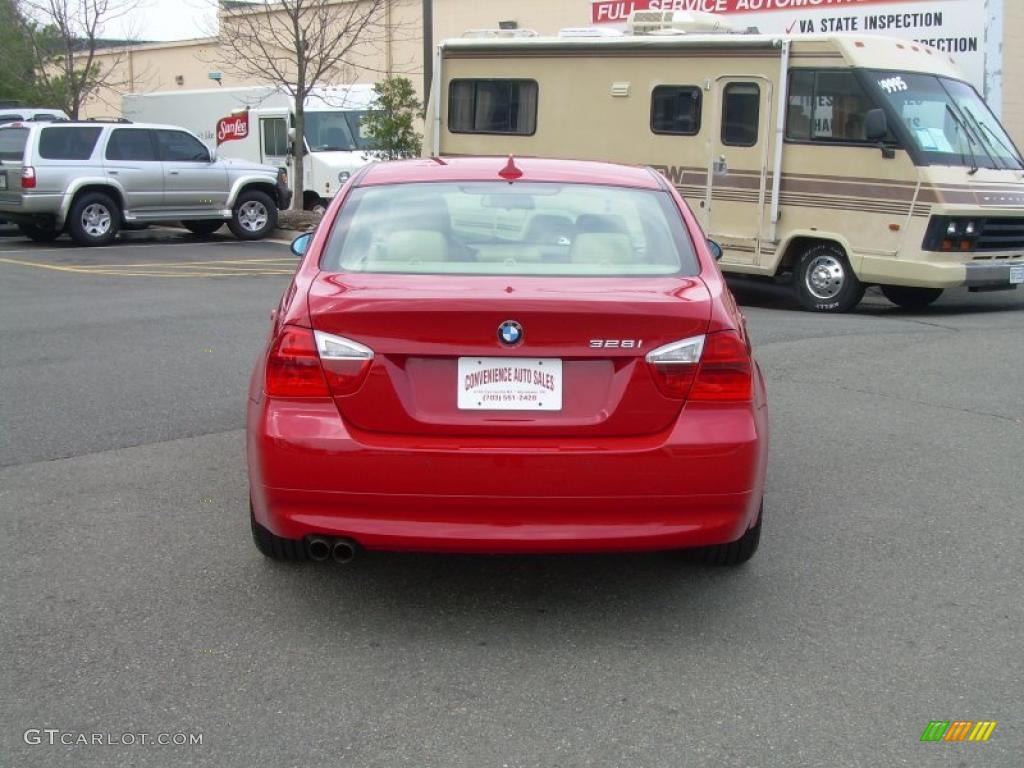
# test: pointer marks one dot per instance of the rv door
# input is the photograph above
(738, 169)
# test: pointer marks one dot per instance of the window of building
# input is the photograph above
(181, 147)
(675, 109)
(131, 144)
(826, 106)
(71, 143)
(741, 114)
(492, 106)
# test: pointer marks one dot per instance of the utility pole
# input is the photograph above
(428, 47)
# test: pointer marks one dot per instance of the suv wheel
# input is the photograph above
(94, 219)
(825, 282)
(911, 298)
(254, 216)
(203, 227)
(39, 233)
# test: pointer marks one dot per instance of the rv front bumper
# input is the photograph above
(994, 275)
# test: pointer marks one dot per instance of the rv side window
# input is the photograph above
(675, 109)
(741, 114)
(492, 106)
(826, 106)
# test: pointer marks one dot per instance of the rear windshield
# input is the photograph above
(12, 143)
(498, 228)
(72, 143)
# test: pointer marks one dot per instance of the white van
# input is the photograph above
(831, 162)
(255, 123)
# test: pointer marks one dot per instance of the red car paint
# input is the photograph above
(639, 456)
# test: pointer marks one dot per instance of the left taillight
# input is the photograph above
(293, 366)
(345, 362)
(715, 367)
(28, 177)
(307, 363)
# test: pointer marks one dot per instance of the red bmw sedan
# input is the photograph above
(527, 356)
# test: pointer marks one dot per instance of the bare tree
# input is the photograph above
(66, 39)
(298, 45)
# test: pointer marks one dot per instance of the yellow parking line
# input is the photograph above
(161, 270)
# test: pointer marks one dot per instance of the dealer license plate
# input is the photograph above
(510, 384)
(3, 179)
(1017, 274)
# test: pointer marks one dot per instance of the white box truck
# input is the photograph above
(255, 123)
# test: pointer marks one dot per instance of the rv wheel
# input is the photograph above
(825, 282)
(911, 298)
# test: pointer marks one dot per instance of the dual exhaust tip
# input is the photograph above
(341, 550)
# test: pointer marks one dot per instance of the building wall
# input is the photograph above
(1013, 69)
(156, 67)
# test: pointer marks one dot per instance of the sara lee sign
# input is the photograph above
(232, 128)
(955, 26)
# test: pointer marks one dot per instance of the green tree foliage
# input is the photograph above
(392, 122)
(18, 61)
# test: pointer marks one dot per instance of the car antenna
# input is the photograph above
(510, 171)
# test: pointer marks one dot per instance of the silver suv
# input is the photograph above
(92, 179)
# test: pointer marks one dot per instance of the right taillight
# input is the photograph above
(28, 177)
(715, 367)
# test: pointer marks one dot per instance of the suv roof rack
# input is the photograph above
(102, 120)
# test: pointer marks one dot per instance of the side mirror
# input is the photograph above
(213, 155)
(715, 248)
(876, 127)
(301, 244)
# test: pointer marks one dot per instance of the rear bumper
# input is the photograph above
(700, 483)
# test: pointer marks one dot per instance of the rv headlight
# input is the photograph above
(343, 176)
(952, 229)
(969, 229)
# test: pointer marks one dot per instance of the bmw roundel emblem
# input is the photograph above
(510, 332)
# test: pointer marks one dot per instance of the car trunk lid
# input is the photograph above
(596, 330)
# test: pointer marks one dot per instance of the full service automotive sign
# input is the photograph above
(955, 26)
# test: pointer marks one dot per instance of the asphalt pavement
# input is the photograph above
(886, 594)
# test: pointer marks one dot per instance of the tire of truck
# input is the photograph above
(203, 227)
(254, 215)
(824, 280)
(911, 298)
(94, 219)
(39, 233)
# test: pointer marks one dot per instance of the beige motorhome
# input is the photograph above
(833, 162)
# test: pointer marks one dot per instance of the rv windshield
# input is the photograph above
(947, 120)
(339, 131)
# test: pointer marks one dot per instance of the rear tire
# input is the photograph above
(825, 282)
(911, 298)
(94, 219)
(203, 227)
(254, 216)
(735, 552)
(39, 233)
(274, 547)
